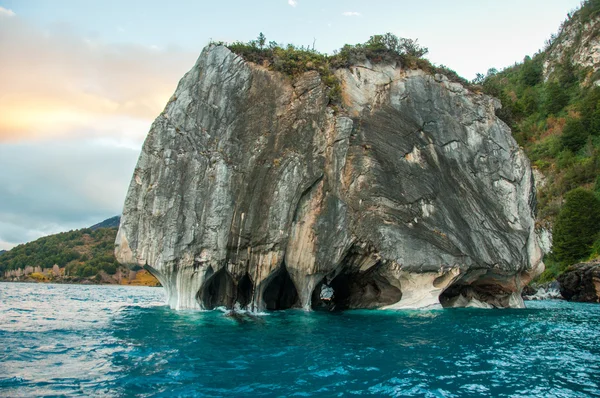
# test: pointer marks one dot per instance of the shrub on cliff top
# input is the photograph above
(293, 61)
(380, 48)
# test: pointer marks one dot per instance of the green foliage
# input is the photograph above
(556, 98)
(589, 109)
(544, 149)
(553, 269)
(590, 9)
(595, 249)
(556, 119)
(261, 40)
(576, 227)
(531, 73)
(83, 252)
(566, 73)
(293, 61)
(574, 135)
(529, 101)
(380, 48)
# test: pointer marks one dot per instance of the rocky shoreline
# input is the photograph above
(58, 275)
(580, 282)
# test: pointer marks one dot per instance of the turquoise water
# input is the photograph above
(69, 340)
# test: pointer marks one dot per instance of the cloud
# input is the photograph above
(73, 115)
(4, 12)
(56, 83)
(54, 186)
(293, 3)
(351, 14)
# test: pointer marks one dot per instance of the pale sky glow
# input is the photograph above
(82, 81)
(6, 13)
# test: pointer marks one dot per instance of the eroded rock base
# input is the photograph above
(379, 287)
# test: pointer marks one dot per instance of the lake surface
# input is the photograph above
(73, 340)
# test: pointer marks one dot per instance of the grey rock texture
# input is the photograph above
(579, 42)
(251, 189)
(581, 282)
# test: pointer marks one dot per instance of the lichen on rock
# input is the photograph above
(252, 189)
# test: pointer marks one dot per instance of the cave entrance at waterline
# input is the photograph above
(245, 289)
(484, 290)
(280, 292)
(219, 290)
(354, 290)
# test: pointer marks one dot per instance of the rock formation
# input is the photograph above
(577, 41)
(252, 189)
(581, 282)
(543, 291)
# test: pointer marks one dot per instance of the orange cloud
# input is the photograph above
(56, 83)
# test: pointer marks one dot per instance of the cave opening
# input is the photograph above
(245, 289)
(451, 294)
(482, 291)
(280, 292)
(219, 290)
(354, 290)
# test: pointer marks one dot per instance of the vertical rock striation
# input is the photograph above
(250, 189)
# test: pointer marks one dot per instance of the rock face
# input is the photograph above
(252, 189)
(578, 41)
(581, 282)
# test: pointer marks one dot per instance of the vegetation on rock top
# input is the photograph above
(293, 61)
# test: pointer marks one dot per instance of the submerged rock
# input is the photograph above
(581, 282)
(252, 189)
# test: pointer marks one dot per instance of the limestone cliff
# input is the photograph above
(578, 41)
(251, 189)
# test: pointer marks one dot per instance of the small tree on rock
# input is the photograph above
(261, 40)
(413, 48)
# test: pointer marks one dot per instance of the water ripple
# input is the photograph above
(62, 340)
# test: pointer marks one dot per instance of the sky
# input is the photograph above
(82, 81)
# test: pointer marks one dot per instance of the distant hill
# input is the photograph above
(83, 252)
(112, 222)
(2, 251)
(84, 255)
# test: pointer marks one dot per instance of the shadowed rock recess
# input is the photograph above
(252, 189)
